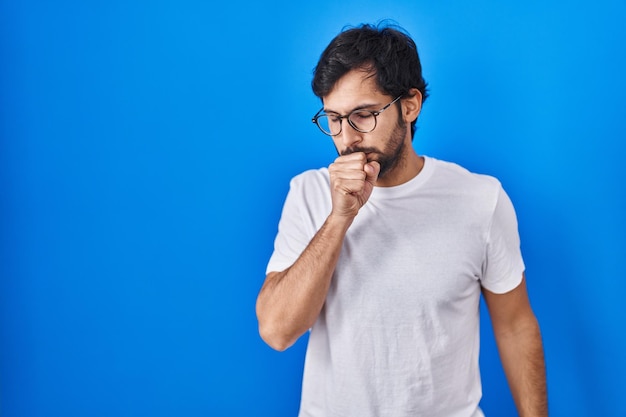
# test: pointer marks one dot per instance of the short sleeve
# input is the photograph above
(503, 264)
(292, 237)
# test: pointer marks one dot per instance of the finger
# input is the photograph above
(350, 182)
(347, 170)
(349, 186)
(356, 156)
(372, 169)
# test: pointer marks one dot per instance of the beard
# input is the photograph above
(391, 156)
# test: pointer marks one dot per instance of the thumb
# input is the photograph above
(372, 169)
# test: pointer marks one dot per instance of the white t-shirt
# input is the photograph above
(399, 332)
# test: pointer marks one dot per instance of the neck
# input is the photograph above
(408, 167)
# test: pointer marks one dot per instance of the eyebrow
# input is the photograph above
(361, 107)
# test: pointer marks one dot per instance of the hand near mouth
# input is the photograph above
(352, 179)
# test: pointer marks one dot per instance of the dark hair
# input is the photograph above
(388, 52)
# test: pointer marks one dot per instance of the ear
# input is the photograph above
(412, 105)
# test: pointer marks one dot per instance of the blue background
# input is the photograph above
(146, 149)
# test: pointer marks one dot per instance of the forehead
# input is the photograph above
(356, 88)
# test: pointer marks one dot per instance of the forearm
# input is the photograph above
(290, 301)
(522, 356)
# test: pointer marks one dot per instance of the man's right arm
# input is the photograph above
(291, 300)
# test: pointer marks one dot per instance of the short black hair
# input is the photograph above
(386, 51)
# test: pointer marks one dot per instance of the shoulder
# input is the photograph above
(478, 193)
(455, 176)
(311, 180)
(309, 194)
(310, 188)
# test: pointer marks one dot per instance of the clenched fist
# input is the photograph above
(352, 180)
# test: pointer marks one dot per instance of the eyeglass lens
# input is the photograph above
(362, 120)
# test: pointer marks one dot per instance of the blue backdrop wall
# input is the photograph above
(146, 149)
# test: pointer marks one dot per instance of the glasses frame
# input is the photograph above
(374, 113)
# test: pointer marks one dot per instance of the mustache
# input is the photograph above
(352, 150)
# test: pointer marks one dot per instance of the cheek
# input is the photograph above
(396, 138)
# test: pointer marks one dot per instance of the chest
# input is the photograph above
(422, 254)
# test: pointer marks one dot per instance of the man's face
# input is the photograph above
(387, 143)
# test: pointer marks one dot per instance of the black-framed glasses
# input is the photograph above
(363, 121)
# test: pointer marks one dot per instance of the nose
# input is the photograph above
(349, 136)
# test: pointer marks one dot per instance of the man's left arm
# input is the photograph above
(519, 342)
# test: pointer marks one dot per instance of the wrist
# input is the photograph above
(340, 222)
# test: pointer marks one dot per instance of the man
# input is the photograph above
(383, 256)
